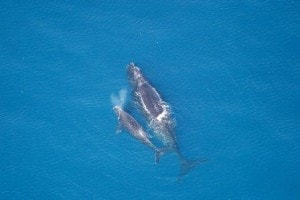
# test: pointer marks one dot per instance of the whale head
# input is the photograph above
(134, 73)
(117, 110)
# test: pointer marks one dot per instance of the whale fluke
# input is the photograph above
(187, 166)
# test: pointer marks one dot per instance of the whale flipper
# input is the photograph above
(120, 128)
(159, 153)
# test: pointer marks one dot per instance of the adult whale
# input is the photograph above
(158, 114)
(127, 122)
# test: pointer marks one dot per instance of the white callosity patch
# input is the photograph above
(143, 104)
(137, 73)
(164, 114)
(141, 133)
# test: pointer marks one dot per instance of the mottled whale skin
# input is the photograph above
(127, 122)
(156, 110)
(158, 114)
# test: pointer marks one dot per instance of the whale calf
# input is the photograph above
(127, 122)
(158, 115)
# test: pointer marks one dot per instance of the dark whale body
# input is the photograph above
(158, 114)
(155, 109)
(127, 122)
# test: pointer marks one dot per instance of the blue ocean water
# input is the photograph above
(229, 69)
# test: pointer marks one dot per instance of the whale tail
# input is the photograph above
(159, 152)
(187, 166)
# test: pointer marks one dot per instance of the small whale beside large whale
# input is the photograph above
(158, 115)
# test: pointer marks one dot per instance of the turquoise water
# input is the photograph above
(229, 69)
